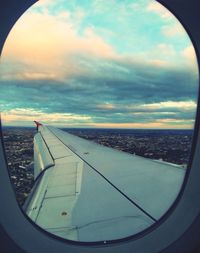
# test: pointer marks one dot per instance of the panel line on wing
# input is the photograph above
(106, 179)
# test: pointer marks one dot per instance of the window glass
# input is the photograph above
(122, 74)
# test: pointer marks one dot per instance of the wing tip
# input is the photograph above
(38, 124)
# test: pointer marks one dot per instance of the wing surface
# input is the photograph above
(87, 192)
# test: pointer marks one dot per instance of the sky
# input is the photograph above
(98, 63)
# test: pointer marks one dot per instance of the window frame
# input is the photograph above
(176, 232)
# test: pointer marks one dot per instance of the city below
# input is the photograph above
(171, 146)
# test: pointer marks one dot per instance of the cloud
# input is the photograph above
(185, 105)
(106, 82)
(27, 116)
(190, 54)
(43, 45)
(166, 51)
(150, 125)
(106, 106)
(58, 67)
(114, 103)
(159, 9)
(38, 41)
(179, 122)
(173, 30)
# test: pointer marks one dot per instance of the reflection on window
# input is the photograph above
(101, 71)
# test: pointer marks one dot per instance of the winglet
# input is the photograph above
(37, 124)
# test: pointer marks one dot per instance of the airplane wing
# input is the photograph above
(88, 192)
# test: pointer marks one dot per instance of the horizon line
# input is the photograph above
(4, 126)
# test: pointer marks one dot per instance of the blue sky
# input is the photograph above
(123, 64)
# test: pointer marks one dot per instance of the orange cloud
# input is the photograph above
(150, 125)
(159, 9)
(106, 106)
(29, 115)
(174, 30)
(190, 54)
(47, 45)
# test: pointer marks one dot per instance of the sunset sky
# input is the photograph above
(98, 63)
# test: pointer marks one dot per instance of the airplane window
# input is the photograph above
(120, 78)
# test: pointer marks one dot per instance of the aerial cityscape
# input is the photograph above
(18, 144)
(171, 146)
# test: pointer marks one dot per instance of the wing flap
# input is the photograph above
(42, 156)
